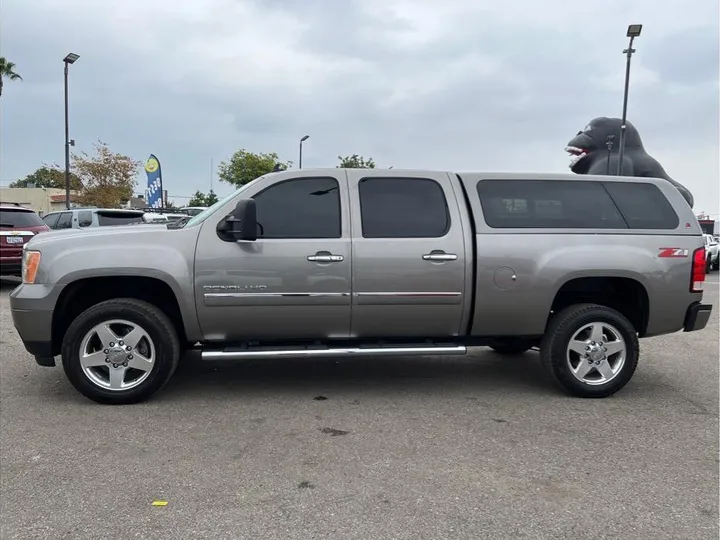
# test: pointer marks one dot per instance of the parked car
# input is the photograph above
(17, 225)
(712, 253)
(152, 217)
(161, 215)
(371, 262)
(81, 218)
(175, 216)
(192, 210)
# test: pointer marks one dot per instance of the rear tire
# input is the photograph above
(114, 371)
(590, 350)
(708, 265)
(510, 346)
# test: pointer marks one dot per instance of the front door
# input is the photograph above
(294, 281)
(409, 256)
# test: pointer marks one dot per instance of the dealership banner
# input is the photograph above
(154, 191)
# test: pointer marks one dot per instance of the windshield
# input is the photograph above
(202, 216)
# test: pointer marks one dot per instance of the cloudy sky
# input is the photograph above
(442, 84)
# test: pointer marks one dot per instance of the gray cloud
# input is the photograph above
(687, 58)
(444, 86)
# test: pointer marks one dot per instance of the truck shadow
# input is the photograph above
(7, 284)
(480, 370)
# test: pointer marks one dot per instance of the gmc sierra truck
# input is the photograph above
(361, 262)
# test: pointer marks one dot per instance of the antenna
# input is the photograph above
(609, 143)
(211, 174)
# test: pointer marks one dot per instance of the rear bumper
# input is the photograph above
(697, 316)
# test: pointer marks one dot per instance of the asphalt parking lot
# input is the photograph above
(470, 447)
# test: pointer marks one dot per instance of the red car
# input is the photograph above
(17, 225)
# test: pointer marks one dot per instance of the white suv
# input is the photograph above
(712, 251)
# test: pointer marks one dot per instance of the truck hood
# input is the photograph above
(118, 233)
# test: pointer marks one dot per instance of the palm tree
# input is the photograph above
(7, 71)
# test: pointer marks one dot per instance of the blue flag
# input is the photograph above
(154, 191)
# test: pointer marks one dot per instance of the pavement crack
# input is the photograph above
(333, 432)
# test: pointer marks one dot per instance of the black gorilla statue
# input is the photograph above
(596, 149)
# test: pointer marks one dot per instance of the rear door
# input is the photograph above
(409, 255)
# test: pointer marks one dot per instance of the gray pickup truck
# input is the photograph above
(357, 262)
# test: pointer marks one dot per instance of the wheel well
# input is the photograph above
(625, 295)
(82, 294)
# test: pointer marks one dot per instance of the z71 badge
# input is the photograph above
(673, 252)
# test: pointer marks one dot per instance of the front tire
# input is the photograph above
(120, 351)
(590, 350)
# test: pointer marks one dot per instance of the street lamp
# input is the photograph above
(633, 31)
(69, 59)
(305, 138)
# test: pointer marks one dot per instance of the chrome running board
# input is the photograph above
(260, 353)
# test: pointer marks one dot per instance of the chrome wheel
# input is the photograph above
(117, 355)
(596, 353)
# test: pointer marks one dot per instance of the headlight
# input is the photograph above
(30, 264)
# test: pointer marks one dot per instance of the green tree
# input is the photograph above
(356, 162)
(108, 178)
(49, 177)
(7, 71)
(244, 166)
(202, 199)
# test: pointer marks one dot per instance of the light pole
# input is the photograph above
(633, 31)
(69, 59)
(305, 138)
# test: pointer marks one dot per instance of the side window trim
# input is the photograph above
(338, 183)
(448, 217)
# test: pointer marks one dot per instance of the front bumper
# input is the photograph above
(697, 317)
(31, 307)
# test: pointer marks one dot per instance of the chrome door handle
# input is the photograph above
(439, 256)
(325, 258)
